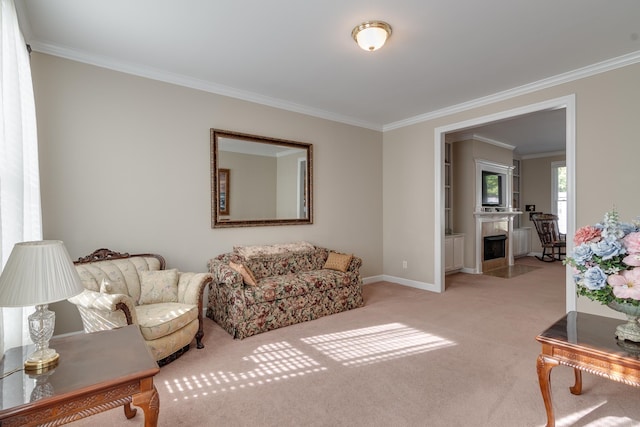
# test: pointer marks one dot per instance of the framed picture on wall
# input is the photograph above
(223, 191)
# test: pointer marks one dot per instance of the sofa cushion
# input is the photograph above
(158, 286)
(295, 285)
(287, 263)
(259, 250)
(159, 320)
(337, 261)
(169, 344)
(247, 275)
(276, 288)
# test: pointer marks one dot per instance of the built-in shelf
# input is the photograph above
(453, 252)
(515, 204)
(521, 240)
(448, 189)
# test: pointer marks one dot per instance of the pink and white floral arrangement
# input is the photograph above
(605, 260)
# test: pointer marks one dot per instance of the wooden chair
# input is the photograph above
(553, 242)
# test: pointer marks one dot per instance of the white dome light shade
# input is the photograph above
(371, 35)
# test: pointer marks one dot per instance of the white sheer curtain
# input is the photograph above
(20, 213)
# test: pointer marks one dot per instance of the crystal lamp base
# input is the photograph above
(41, 325)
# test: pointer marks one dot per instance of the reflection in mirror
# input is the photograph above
(271, 185)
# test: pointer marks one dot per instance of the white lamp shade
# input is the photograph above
(371, 35)
(39, 272)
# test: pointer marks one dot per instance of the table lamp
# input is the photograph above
(38, 273)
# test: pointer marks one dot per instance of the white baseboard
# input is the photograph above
(400, 281)
(411, 283)
(372, 279)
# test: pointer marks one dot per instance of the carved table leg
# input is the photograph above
(577, 387)
(129, 412)
(149, 401)
(544, 366)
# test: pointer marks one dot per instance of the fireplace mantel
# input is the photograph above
(494, 216)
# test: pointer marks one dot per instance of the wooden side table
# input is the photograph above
(585, 342)
(96, 372)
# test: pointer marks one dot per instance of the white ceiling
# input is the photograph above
(443, 55)
(532, 135)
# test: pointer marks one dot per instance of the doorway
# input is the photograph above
(566, 103)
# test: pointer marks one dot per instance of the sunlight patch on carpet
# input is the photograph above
(612, 421)
(510, 271)
(274, 362)
(574, 417)
(376, 344)
(281, 361)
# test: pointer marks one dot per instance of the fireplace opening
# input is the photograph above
(495, 247)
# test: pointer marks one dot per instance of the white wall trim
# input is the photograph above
(467, 136)
(569, 104)
(372, 279)
(207, 86)
(193, 83)
(410, 283)
(540, 155)
(571, 296)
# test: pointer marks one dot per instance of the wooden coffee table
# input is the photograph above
(96, 372)
(585, 342)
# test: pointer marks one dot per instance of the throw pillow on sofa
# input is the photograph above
(337, 261)
(247, 275)
(113, 287)
(158, 286)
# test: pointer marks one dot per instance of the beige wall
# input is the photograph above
(252, 185)
(607, 131)
(125, 165)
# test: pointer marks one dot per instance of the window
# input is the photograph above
(20, 218)
(559, 194)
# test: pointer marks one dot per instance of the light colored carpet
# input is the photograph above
(511, 271)
(466, 357)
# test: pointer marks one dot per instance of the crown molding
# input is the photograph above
(467, 136)
(580, 73)
(181, 80)
(206, 86)
(540, 155)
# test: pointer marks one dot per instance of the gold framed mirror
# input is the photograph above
(272, 181)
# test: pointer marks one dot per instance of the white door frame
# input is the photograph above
(568, 103)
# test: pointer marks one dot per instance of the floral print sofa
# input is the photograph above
(293, 284)
(123, 289)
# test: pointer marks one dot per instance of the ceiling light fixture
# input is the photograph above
(371, 35)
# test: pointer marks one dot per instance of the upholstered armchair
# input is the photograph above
(123, 289)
